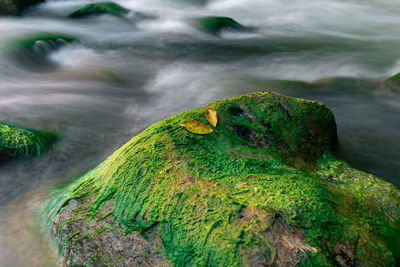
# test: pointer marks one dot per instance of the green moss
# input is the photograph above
(16, 142)
(99, 8)
(371, 204)
(215, 25)
(229, 198)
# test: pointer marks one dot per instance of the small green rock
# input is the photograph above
(17, 142)
(32, 50)
(29, 41)
(99, 9)
(40, 43)
(215, 25)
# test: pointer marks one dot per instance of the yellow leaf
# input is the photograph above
(211, 116)
(196, 127)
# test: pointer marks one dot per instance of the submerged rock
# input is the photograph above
(42, 42)
(95, 74)
(33, 50)
(16, 142)
(215, 25)
(99, 8)
(16, 7)
(261, 189)
(195, 2)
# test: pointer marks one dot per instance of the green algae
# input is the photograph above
(222, 199)
(215, 25)
(99, 8)
(17, 142)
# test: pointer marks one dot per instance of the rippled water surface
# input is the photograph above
(126, 74)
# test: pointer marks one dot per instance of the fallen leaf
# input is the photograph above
(196, 127)
(211, 116)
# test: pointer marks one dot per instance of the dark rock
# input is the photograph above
(16, 7)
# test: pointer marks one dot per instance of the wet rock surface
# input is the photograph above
(93, 243)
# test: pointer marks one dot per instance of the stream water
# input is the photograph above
(126, 74)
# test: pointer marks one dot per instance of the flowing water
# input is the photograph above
(126, 74)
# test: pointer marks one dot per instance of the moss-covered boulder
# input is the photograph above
(215, 25)
(33, 50)
(17, 142)
(261, 189)
(16, 7)
(98, 8)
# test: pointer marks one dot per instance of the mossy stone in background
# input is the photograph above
(31, 51)
(99, 8)
(215, 25)
(17, 142)
(29, 41)
(262, 189)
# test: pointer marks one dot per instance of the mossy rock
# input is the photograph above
(33, 50)
(17, 142)
(16, 7)
(261, 189)
(54, 39)
(395, 79)
(99, 8)
(215, 25)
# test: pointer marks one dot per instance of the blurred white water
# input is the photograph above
(126, 74)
